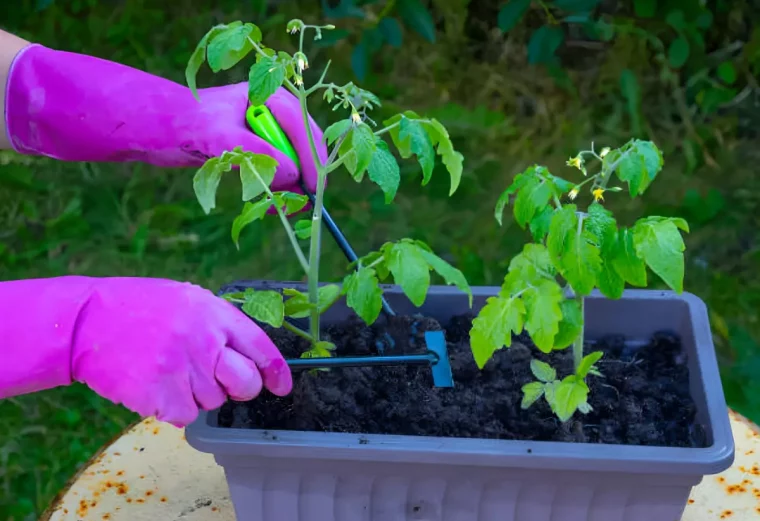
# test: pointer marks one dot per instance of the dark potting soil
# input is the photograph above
(643, 398)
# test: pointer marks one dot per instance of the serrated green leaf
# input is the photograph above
(510, 14)
(651, 156)
(568, 395)
(449, 273)
(264, 306)
(336, 130)
(206, 182)
(587, 362)
(602, 225)
(626, 262)
(410, 271)
(532, 197)
(660, 245)
(571, 325)
(531, 393)
(678, 52)
(302, 229)
(493, 327)
(418, 17)
(251, 212)
(534, 258)
(384, 171)
(265, 77)
(319, 350)
(543, 313)
(563, 223)
(581, 262)
(543, 371)
(256, 174)
(452, 160)
(232, 45)
(298, 305)
(364, 146)
(539, 225)
(363, 294)
(543, 43)
(631, 170)
(291, 202)
(411, 131)
(501, 203)
(199, 56)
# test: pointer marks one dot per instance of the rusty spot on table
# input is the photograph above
(155, 431)
(140, 500)
(164, 499)
(726, 514)
(106, 516)
(691, 501)
(148, 493)
(120, 473)
(735, 489)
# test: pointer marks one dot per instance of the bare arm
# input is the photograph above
(10, 46)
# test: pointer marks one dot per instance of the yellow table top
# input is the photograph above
(151, 473)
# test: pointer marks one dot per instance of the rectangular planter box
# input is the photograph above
(317, 476)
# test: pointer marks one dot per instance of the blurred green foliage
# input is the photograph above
(515, 82)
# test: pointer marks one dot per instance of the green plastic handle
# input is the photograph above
(264, 125)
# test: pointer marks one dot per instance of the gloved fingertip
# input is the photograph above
(277, 377)
(238, 376)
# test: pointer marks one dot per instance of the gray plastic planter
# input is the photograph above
(317, 476)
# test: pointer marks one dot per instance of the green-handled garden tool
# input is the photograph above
(263, 124)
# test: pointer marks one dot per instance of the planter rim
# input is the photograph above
(203, 435)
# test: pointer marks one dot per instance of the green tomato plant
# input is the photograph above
(573, 252)
(357, 144)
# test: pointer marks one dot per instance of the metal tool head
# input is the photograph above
(441, 368)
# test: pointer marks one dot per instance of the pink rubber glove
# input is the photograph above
(161, 348)
(76, 107)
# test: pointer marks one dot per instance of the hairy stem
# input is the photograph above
(578, 344)
(297, 331)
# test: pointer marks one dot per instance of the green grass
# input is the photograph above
(132, 219)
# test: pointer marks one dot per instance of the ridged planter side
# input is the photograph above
(317, 476)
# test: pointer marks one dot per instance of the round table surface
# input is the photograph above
(151, 473)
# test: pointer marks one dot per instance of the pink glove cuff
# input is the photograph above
(37, 330)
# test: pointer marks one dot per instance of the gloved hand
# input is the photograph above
(161, 348)
(76, 107)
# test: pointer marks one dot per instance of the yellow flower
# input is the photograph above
(356, 117)
(598, 194)
(576, 161)
(299, 80)
(573, 194)
(604, 152)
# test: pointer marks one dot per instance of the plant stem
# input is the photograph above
(578, 344)
(293, 240)
(296, 330)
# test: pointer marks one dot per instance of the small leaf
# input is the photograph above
(291, 201)
(419, 144)
(629, 86)
(678, 52)
(452, 160)
(302, 229)
(359, 59)
(564, 222)
(265, 77)
(571, 325)
(626, 262)
(264, 306)
(531, 393)
(543, 371)
(581, 262)
(363, 294)
(510, 15)
(501, 203)
(727, 73)
(251, 212)
(363, 142)
(384, 171)
(336, 130)
(231, 46)
(391, 31)
(410, 271)
(319, 350)
(493, 327)
(417, 16)
(587, 363)
(539, 225)
(449, 273)
(298, 305)
(543, 43)
(199, 56)
(660, 245)
(569, 394)
(543, 313)
(206, 181)
(533, 196)
(256, 174)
